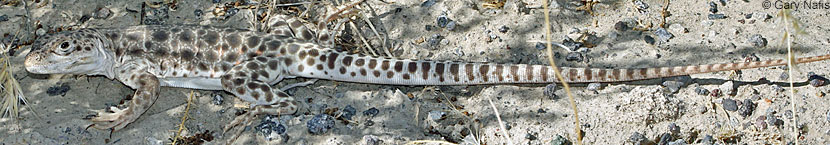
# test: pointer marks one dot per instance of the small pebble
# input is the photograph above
(817, 80)
(320, 124)
(102, 13)
(541, 46)
(641, 6)
(770, 117)
(716, 16)
(434, 40)
(231, 12)
(663, 35)
(198, 13)
(594, 86)
(760, 122)
(550, 90)
(778, 88)
(372, 140)
(621, 26)
(58, 90)
(715, 93)
(371, 112)
(574, 56)
(530, 136)
(648, 39)
(713, 7)
(672, 86)
(571, 44)
(4, 18)
(428, 3)
(638, 138)
(729, 104)
(747, 107)
(788, 114)
(784, 76)
(493, 37)
(428, 27)
(707, 140)
(665, 139)
(757, 40)
(217, 1)
(677, 28)
(217, 99)
(727, 88)
(503, 29)
(678, 142)
(701, 91)
(436, 115)
(674, 129)
(451, 25)
(778, 122)
(348, 112)
(40, 32)
(559, 140)
(442, 21)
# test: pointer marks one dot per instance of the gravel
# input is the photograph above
(729, 104)
(320, 123)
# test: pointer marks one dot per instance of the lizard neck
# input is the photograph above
(106, 59)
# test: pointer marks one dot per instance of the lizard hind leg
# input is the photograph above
(247, 81)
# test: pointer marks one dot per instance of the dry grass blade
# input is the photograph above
(501, 124)
(788, 21)
(556, 71)
(178, 135)
(10, 89)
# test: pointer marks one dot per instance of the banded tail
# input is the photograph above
(364, 69)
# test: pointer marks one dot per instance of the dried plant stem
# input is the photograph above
(178, 134)
(501, 124)
(577, 130)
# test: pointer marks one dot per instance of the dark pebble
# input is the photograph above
(701, 91)
(621, 26)
(673, 86)
(451, 25)
(713, 7)
(778, 88)
(574, 56)
(550, 90)
(428, 27)
(442, 21)
(715, 93)
(428, 3)
(716, 16)
(674, 129)
(638, 139)
(748, 16)
(707, 140)
(218, 99)
(541, 46)
(571, 44)
(663, 35)
(58, 90)
(757, 40)
(231, 12)
(530, 136)
(320, 123)
(434, 40)
(665, 139)
(649, 39)
(217, 1)
(102, 13)
(641, 6)
(817, 80)
(4, 18)
(348, 112)
(729, 104)
(198, 13)
(778, 122)
(503, 29)
(371, 112)
(559, 140)
(747, 107)
(541, 111)
(760, 122)
(85, 18)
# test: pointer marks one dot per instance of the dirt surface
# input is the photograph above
(616, 113)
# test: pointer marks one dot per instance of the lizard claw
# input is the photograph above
(117, 119)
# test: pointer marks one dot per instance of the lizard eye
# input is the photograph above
(64, 48)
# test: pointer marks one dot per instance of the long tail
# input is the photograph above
(364, 69)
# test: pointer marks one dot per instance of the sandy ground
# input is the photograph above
(617, 113)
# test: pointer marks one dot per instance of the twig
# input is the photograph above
(556, 71)
(372, 26)
(501, 124)
(178, 134)
(359, 34)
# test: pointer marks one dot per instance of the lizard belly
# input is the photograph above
(203, 83)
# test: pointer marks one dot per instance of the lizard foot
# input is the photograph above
(119, 118)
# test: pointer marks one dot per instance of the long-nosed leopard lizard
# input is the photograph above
(246, 64)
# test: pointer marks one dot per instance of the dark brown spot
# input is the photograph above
(376, 73)
(352, 74)
(273, 45)
(398, 66)
(529, 72)
(187, 55)
(544, 73)
(211, 38)
(439, 69)
(342, 70)
(482, 71)
(273, 64)
(372, 63)
(588, 74)
(309, 62)
(288, 62)
(237, 82)
(313, 52)
(384, 65)
(203, 67)
(240, 91)
(160, 36)
(302, 55)
(359, 62)
(300, 68)
(405, 76)
(252, 66)
(186, 37)
(643, 72)
(454, 71)
(572, 74)
(468, 68)
(264, 73)
(333, 58)
(412, 67)
(389, 74)
(319, 66)
(602, 76)
(362, 71)
(347, 60)
(425, 70)
(252, 41)
(514, 71)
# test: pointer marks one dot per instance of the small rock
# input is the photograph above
(677, 28)
(727, 88)
(641, 6)
(436, 115)
(372, 140)
(638, 139)
(217, 99)
(784, 76)
(707, 140)
(550, 90)
(102, 13)
(574, 56)
(434, 40)
(530, 136)
(442, 21)
(673, 86)
(788, 114)
(761, 16)
(778, 122)
(621, 26)
(58, 90)
(716, 16)
(663, 35)
(665, 139)
(715, 93)
(320, 124)
(760, 122)
(541, 46)
(198, 13)
(559, 140)
(713, 7)
(729, 104)
(231, 12)
(747, 107)
(4, 18)
(701, 91)
(40, 32)
(217, 1)
(678, 142)
(817, 80)
(757, 40)
(778, 88)
(571, 44)
(428, 3)
(348, 112)
(594, 86)
(371, 112)
(701, 109)
(674, 129)
(707, 23)
(648, 39)
(451, 25)
(503, 29)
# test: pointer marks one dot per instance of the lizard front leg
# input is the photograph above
(147, 90)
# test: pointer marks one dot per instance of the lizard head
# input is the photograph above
(79, 52)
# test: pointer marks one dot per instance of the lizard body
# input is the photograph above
(246, 63)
